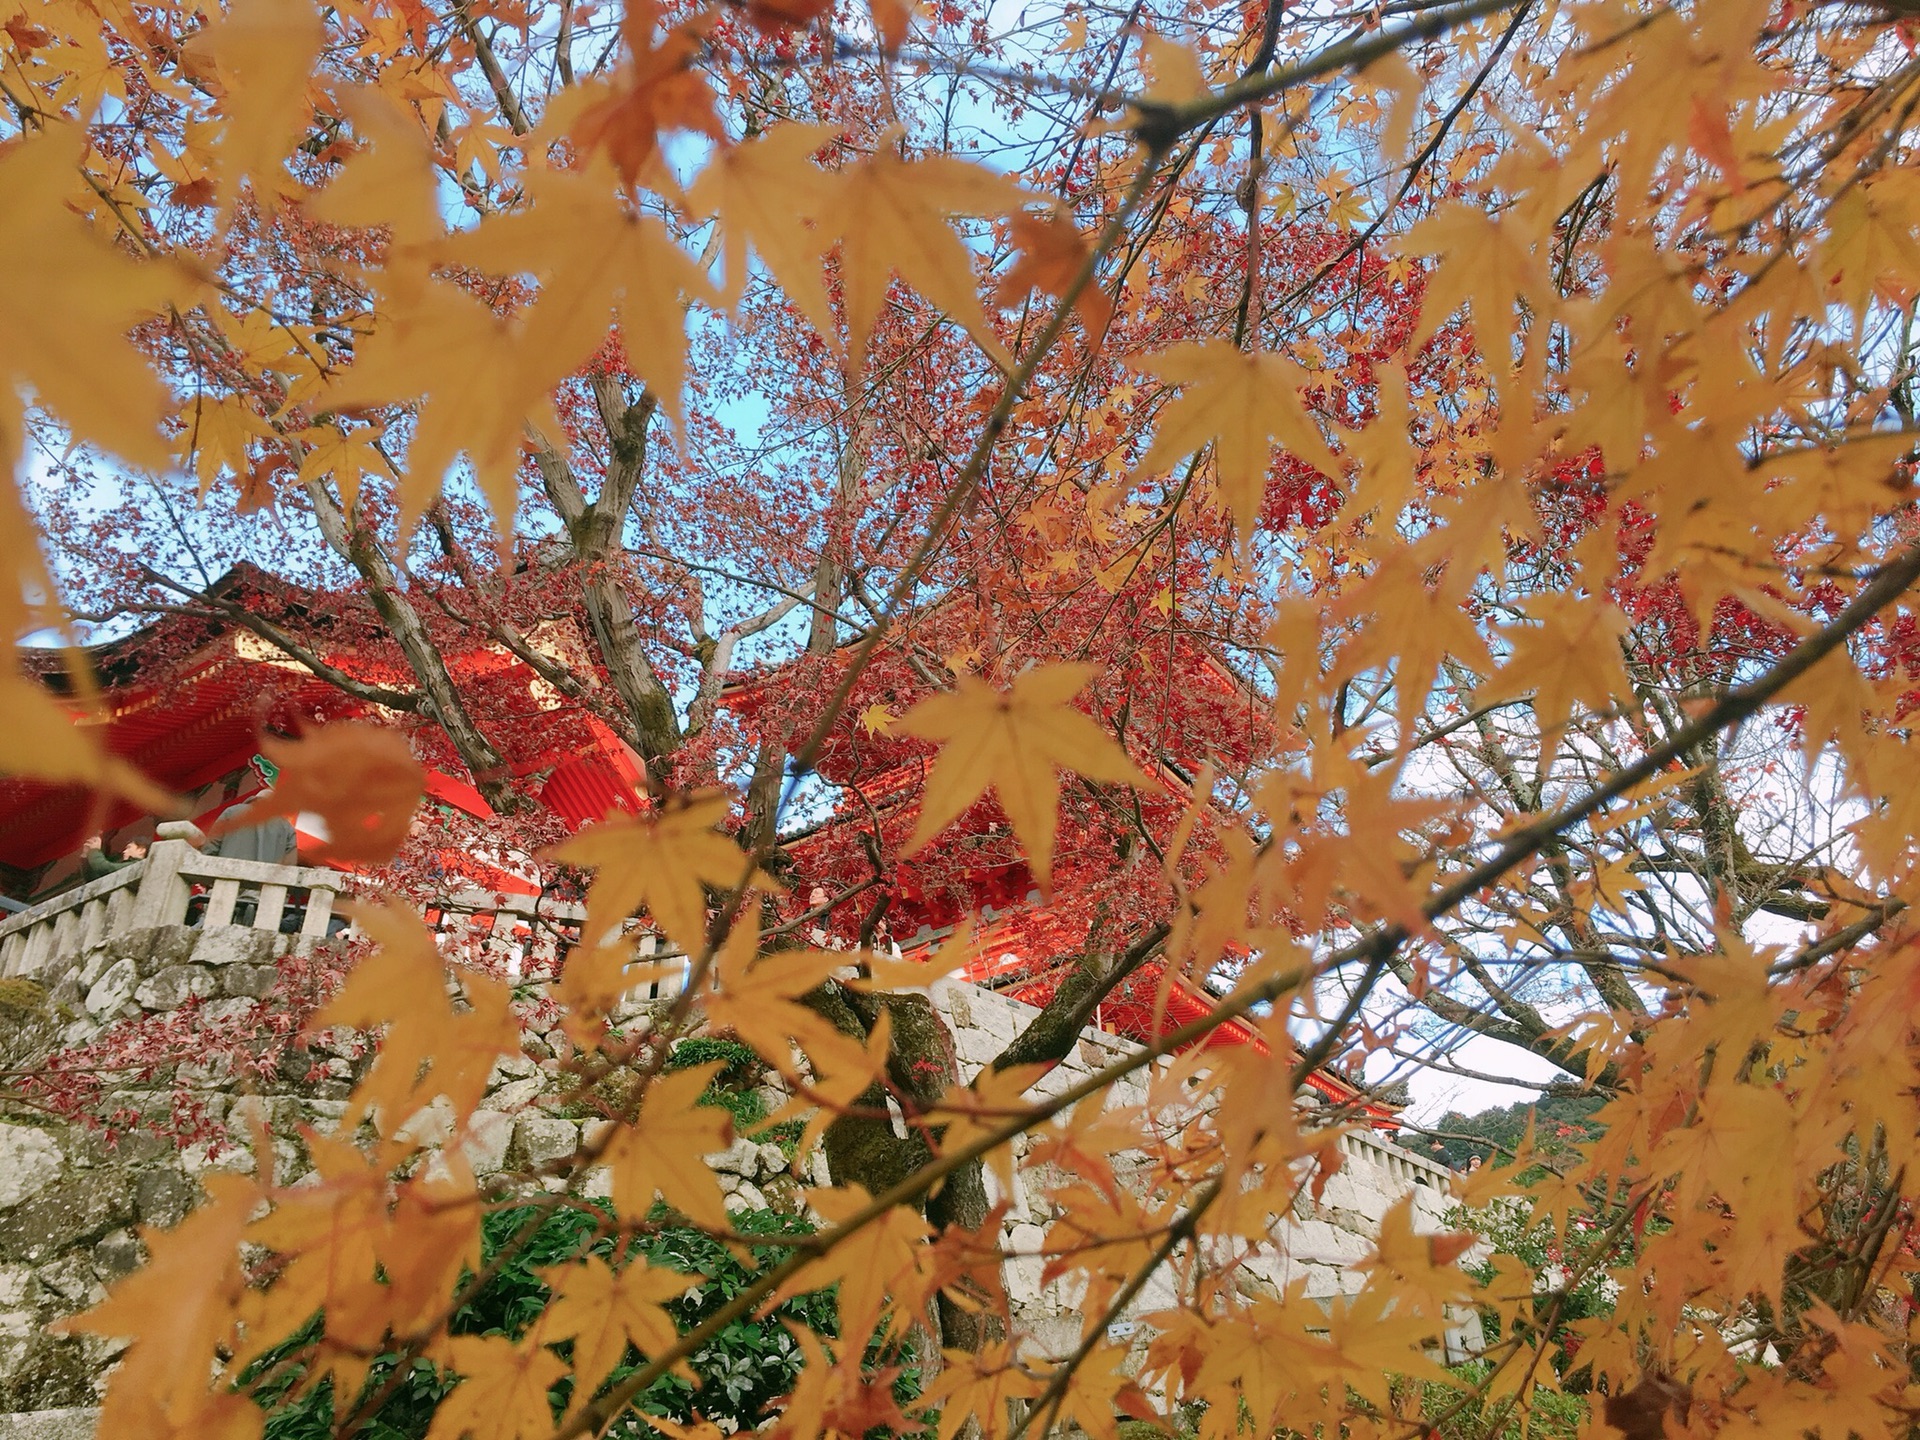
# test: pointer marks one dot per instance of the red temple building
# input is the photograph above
(187, 698)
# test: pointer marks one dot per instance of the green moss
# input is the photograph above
(20, 997)
(740, 1064)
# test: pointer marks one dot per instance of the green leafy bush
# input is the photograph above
(1549, 1414)
(744, 1367)
(740, 1065)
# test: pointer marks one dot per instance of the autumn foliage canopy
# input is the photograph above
(1399, 517)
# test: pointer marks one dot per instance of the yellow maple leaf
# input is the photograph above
(1423, 1269)
(42, 741)
(343, 456)
(603, 1310)
(594, 256)
(1737, 1139)
(875, 1267)
(1052, 254)
(982, 1383)
(502, 1394)
(217, 434)
(327, 1237)
(665, 862)
(1870, 246)
(263, 52)
(1243, 405)
(596, 978)
(1387, 482)
(1570, 652)
(69, 301)
(754, 999)
(1485, 264)
(483, 385)
(969, 1113)
(1016, 741)
(1172, 70)
(657, 90)
(664, 1151)
(769, 195)
(894, 218)
(390, 179)
(177, 1308)
(430, 1048)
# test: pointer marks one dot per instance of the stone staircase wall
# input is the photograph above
(72, 1204)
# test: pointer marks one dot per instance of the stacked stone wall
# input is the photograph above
(72, 1202)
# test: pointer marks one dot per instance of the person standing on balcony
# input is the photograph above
(272, 840)
(95, 862)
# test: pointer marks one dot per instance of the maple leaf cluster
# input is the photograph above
(1346, 544)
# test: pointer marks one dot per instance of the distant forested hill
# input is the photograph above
(1455, 1137)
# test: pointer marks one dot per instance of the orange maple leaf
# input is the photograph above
(177, 1308)
(1052, 254)
(786, 14)
(876, 1267)
(666, 862)
(603, 1310)
(430, 1047)
(663, 1152)
(1243, 404)
(361, 779)
(657, 89)
(503, 1395)
(1017, 741)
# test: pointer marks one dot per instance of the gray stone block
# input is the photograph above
(516, 1094)
(489, 1134)
(746, 1196)
(512, 1067)
(19, 1297)
(172, 987)
(73, 1280)
(163, 1197)
(231, 945)
(117, 1254)
(251, 982)
(70, 1423)
(94, 964)
(112, 990)
(538, 1139)
(163, 945)
(30, 1161)
(79, 1208)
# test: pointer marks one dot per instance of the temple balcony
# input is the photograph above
(173, 885)
(281, 908)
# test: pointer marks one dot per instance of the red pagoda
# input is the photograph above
(187, 698)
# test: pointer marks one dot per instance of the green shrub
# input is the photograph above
(742, 1369)
(740, 1065)
(1550, 1414)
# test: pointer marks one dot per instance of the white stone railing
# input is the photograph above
(523, 933)
(1401, 1164)
(174, 885)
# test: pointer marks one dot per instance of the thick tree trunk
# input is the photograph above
(489, 768)
(594, 532)
(865, 1148)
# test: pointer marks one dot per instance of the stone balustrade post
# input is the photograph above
(162, 896)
